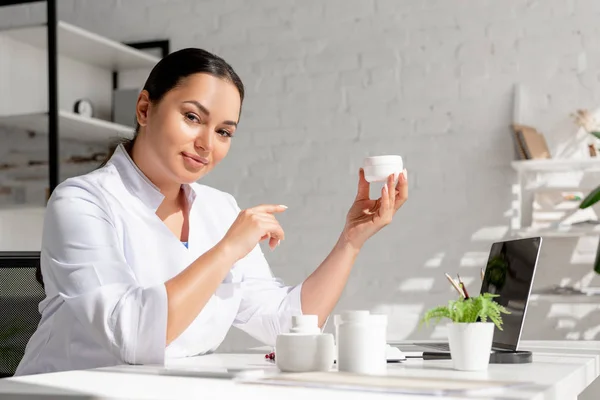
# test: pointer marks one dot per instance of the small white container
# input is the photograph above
(304, 348)
(305, 324)
(378, 168)
(471, 345)
(362, 343)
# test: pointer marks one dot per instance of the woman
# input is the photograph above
(140, 263)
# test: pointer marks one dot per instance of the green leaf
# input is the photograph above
(591, 198)
(597, 134)
(597, 262)
(469, 310)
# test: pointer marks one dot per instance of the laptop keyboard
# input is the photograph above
(435, 346)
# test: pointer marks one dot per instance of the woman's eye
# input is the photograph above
(192, 117)
(225, 133)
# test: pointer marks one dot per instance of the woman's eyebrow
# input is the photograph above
(205, 111)
(199, 106)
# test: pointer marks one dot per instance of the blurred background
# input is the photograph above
(440, 82)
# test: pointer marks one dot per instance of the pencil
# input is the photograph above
(463, 287)
(455, 285)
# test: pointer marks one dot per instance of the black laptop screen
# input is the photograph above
(509, 273)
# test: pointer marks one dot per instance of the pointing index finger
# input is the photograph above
(270, 208)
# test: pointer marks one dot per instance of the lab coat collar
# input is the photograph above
(138, 184)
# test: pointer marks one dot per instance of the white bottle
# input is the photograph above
(362, 342)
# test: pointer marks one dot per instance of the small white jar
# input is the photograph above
(378, 168)
(361, 343)
(304, 348)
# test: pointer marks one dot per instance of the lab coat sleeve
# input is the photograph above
(267, 304)
(83, 262)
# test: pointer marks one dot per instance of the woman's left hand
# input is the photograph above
(366, 217)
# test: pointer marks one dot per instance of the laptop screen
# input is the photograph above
(509, 273)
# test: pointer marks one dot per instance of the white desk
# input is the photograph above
(561, 371)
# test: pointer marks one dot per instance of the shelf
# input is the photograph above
(85, 46)
(562, 232)
(33, 173)
(556, 165)
(71, 126)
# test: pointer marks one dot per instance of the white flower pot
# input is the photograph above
(471, 345)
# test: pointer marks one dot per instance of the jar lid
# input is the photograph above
(305, 323)
(355, 316)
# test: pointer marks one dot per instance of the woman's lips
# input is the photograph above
(194, 160)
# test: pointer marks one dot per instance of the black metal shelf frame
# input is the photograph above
(53, 110)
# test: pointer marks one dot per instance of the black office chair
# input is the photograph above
(20, 294)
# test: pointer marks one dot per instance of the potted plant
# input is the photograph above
(589, 201)
(471, 330)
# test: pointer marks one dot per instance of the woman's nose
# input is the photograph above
(205, 139)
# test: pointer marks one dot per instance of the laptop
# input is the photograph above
(509, 272)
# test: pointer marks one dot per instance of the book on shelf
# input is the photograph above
(530, 144)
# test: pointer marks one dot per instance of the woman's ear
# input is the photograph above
(142, 107)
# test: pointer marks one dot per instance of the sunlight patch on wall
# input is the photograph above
(492, 233)
(566, 324)
(585, 250)
(472, 259)
(573, 336)
(416, 285)
(577, 311)
(403, 319)
(435, 261)
(591, 333)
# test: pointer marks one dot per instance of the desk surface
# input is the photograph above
(560, 370)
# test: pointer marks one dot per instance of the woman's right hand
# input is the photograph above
(251, 226)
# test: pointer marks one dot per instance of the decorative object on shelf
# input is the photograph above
(124, 103)
(84, 107)
(590, 200)
(554, 208)
(588, 122)
(6, 166)
(470, 334)
(530, 143)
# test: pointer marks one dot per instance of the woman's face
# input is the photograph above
(189, 131)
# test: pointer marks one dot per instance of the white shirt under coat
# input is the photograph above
(105, 258)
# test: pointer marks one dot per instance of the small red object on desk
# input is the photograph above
(270, 356)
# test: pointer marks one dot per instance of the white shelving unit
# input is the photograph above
(556, 165)
(72, 126)
(533, 176)
(87, 47)
(560, 232)
(86, 65)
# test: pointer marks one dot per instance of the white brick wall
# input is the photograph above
(330, 82)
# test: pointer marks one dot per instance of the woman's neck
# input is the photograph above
(170, 189)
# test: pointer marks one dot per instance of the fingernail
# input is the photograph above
(278, 242)
(281, 205)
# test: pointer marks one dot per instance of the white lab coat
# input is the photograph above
(105, 258)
